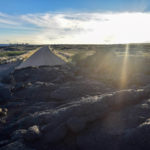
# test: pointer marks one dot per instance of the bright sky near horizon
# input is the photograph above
(74, 22)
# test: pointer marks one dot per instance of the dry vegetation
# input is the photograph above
(12, 54)
(111, 64)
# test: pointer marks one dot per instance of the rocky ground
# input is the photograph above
(53, 108)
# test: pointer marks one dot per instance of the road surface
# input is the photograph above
(43, 57)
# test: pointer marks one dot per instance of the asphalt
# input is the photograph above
(43, 57)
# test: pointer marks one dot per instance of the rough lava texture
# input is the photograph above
(51, 108)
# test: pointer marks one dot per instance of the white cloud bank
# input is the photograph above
(77, 28)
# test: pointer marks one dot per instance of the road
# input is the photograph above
(43, 57)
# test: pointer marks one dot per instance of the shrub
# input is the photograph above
(11, 53)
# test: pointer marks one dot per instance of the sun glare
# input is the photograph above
(124, 72)
(95, 28)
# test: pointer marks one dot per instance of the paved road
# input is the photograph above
(43, 57)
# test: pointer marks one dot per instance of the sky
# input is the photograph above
(74, 21)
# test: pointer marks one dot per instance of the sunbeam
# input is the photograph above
(124, 72)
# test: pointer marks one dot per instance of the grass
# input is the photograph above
(7, 56)
(107, 65)
(73, 56)
(11, 53)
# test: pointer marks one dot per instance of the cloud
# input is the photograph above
(8, 20)
(89, 28)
